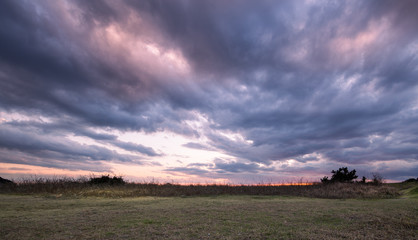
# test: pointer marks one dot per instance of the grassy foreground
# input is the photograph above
(216, 217)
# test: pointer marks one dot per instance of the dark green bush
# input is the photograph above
(107, 180)
(411, 180)
(340, 175)
(5, 181)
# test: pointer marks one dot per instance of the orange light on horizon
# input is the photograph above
(238, 185)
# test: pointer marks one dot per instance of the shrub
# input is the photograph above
(411, 180)
(377, 179)
(107, 180)
(341, 175)
(5, 181)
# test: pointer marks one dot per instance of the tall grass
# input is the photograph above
(103, 187)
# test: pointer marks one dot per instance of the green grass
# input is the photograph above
(407, 189)
(214, 217)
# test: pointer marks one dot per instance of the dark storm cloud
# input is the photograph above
(234, 38)
(399, 174)
(309, 81)
(218, 37)
(62, 128)
(50, 68)
(53, 160)
(44, 146)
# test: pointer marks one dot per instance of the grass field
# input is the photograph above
(216, 217)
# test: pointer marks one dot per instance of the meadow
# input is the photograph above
(99, 214)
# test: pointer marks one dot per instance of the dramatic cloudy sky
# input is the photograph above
(209, 91)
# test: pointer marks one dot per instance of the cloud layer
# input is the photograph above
(273, 87)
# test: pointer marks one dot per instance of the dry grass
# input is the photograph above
(84, 188)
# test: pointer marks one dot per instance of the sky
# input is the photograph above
(241, 92)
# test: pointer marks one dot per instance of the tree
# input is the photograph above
(324, 179)
(5, 181)
(341, 175)
(377, 179)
